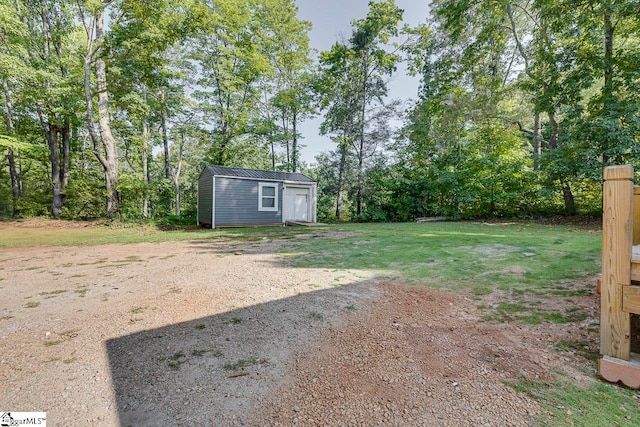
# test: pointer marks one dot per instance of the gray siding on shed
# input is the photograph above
(237, 203)
(205, 197)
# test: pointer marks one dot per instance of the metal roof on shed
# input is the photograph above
(258, 174)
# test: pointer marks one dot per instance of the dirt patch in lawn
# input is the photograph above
(189, 333)
(46, 223)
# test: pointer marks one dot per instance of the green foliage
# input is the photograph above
(186, 219)
(520, 106)
(493, 66)
(486, 174)
(36, 197)
(326, 173)
(85, 195)
(6, 208)
(242, 44)
(15, 144)
(495, 173)
(40, 75)
(238, 53)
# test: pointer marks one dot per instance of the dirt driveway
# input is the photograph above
(202, 333)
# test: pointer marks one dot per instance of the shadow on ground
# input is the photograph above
(215, 370)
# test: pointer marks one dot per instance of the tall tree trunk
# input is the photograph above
(54, 157)
(176, 188)
(537, 133)
(165, 143)
(104, 140)
(567, 194)
(273, 155)
(59, 158)
(363, 109)
(553, 141)
(360, 179)
(145, 166)
(165, 138)
(285, 131)
(569, 201)
(222, 150)
(294, 142)
(341, 168)
(15, 187)
(537, 141)
(104, 125)
(225, 140)
(20, 175)
(270, 140)
(66, 150)
(175, 175)
(144, 156)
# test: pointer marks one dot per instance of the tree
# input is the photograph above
(13, 173)
(335, 173)
(229, 63)
(360, 67)
(39, 49)
(581, 59)
(248, 51)
(289, 86)
(340, 120)
(293, 104)
(151, 77)
(105, 146)
(477, 57)
(11, 33)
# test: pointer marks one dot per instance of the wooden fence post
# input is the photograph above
(617, 235)
(636, 215)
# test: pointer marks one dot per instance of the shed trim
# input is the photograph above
(261, 196)
(213, 204)
(304, 183)
(198, 201)
(257, 173)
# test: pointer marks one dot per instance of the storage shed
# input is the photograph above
(236, 197)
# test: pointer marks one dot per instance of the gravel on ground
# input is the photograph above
(212, 334)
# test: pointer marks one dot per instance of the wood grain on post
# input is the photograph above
(617, 237)
(636, 215)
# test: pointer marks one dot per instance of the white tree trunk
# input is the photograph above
(104, 144)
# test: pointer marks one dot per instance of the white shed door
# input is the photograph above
(296, 204)
(301, 207)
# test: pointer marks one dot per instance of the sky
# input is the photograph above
(331, 19)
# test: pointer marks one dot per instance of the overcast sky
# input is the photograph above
(332, 18)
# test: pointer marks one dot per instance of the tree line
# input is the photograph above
(112, 107)
(520, 107)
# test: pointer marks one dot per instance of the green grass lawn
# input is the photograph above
(458, 255)
(597, 405)
(524, 262)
